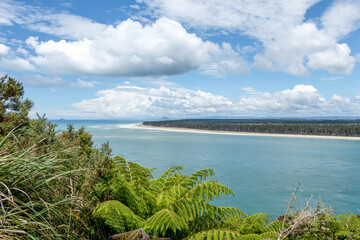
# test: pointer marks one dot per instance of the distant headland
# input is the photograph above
(325, 128)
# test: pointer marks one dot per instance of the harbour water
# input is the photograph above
(262, 171)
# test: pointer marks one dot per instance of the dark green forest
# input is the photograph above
(58, 185)
(349, 128)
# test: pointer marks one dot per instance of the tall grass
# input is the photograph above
(37, 195)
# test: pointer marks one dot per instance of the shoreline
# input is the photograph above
(201, 131)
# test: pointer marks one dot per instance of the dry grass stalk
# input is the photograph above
(304, 216)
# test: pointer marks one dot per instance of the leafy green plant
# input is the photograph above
(173, 205)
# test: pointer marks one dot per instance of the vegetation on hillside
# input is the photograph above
(57, 185)
(279, 126)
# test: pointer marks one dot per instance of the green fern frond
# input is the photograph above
(254, 224)
(275, 226)
(262, 218)
(164, 221)
(233, 221)
(215, 234)
(132, 171)
(182, 180)
(147, 199)
(251, 236)
(171, 171)
(228, 212)
(125, 192)
(209, 190)
(269, 235)
(173, 194)
(189, 208)
(202, 174)
(160, 184)
(115, 214)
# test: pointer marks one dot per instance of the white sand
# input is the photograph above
(170, 129)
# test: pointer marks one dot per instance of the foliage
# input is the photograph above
(58, 186)
(173, 205)
(13, 109)
(278, 126)
(178, 206)
(46, 195)
(71, 193)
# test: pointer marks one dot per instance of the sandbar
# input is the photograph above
(187, 130)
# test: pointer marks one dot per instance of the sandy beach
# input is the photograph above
(169, 129)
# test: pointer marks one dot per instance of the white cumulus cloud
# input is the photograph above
(292, 44)
(4, 50)
(302, 99)
(128, 49)
(289, 42)
(16, 64)
(303, 47)
(341, 18)
(133, 101)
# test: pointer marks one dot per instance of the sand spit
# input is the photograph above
(170, 129)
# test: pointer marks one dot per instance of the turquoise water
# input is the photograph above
(262, 171)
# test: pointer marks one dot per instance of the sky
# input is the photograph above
(148, 59)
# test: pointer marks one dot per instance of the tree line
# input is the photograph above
(275, 126)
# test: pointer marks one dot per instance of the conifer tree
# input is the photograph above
(14, 109)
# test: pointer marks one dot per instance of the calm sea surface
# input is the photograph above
(262, 171)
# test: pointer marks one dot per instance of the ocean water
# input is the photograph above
(263, 172)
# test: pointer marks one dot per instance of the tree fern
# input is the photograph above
(202, 174)
(251, 236)
(261, 218)
(163, 221)
(124, 191)
(269, 235)
(160, 184)
(173, 194)
(189, 208)
(228, 212)
(176, 204)
(133, 172)
(114, 211)
(209, 190)
(183, 180)
(275, 226)
(254, 224)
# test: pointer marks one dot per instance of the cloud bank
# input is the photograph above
(127, 49)
(291, 44)
(44, 81)
(134, 101)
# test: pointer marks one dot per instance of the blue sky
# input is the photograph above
(184, 59)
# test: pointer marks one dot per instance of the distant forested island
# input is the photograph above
(338, 127)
